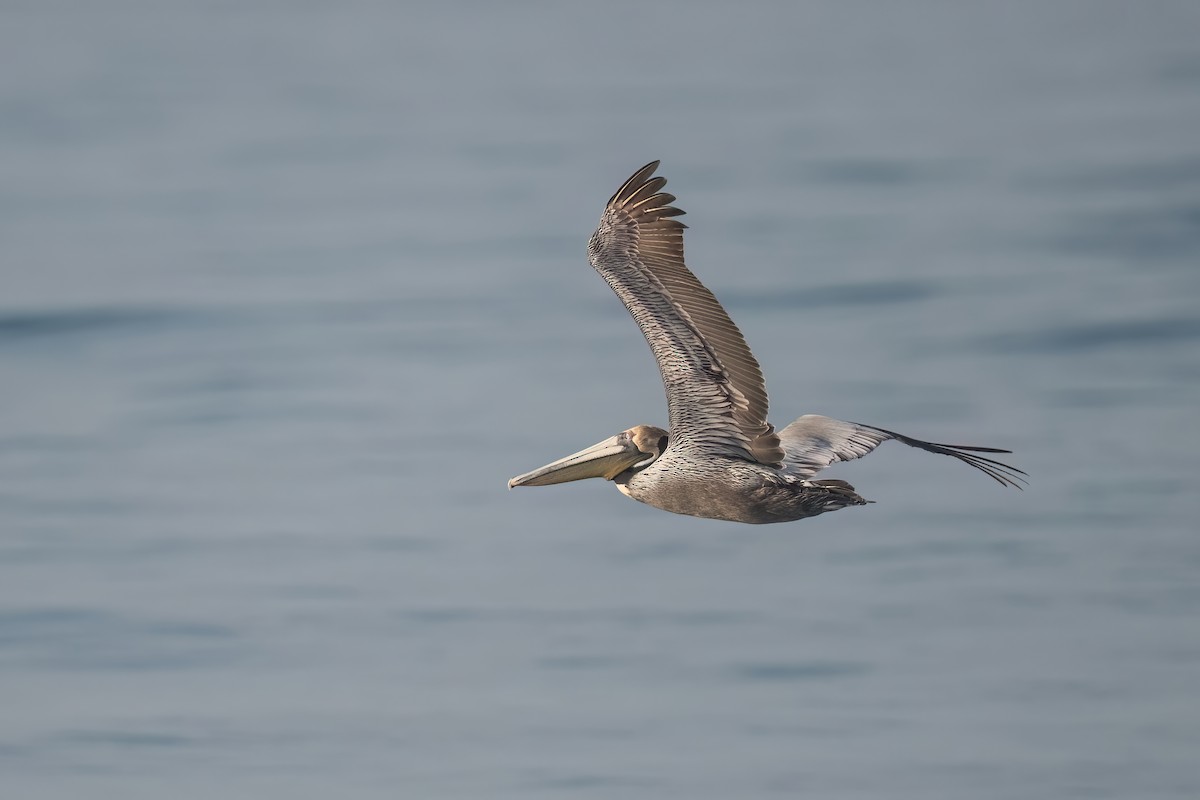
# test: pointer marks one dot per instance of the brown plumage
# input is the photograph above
(721, 457)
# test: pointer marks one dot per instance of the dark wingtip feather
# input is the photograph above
(640, 197)
(635, 180)
(1004, 474)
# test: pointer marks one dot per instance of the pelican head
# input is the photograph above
(628, 451)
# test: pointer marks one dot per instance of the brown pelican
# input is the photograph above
(720, 459)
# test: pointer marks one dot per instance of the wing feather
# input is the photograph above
(716, 396)
(813, 442)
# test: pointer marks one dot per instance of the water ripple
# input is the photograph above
(1157, 234)
(1095, 336)
(85, 639)
(785, 671)
(875, 293)
(24, 325)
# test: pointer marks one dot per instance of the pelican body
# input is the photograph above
(720, 459)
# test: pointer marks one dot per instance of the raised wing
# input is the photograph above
(813, 442)
(716, 396)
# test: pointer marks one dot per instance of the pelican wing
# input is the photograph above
(813, 442)
(716, 396)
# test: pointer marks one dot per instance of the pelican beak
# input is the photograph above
(607, 460)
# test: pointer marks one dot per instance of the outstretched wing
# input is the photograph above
(716, 396)
(813, 442)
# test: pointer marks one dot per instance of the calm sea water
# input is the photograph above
(288, 291)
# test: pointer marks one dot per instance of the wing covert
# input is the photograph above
(813, 442)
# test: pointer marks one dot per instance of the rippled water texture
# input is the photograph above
(289, 291)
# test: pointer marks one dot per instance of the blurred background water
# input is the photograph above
(289, 290)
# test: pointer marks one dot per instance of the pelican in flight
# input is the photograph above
(720, 459)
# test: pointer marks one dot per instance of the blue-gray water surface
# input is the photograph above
(288, 291)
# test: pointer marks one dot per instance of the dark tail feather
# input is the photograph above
(840, 494)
